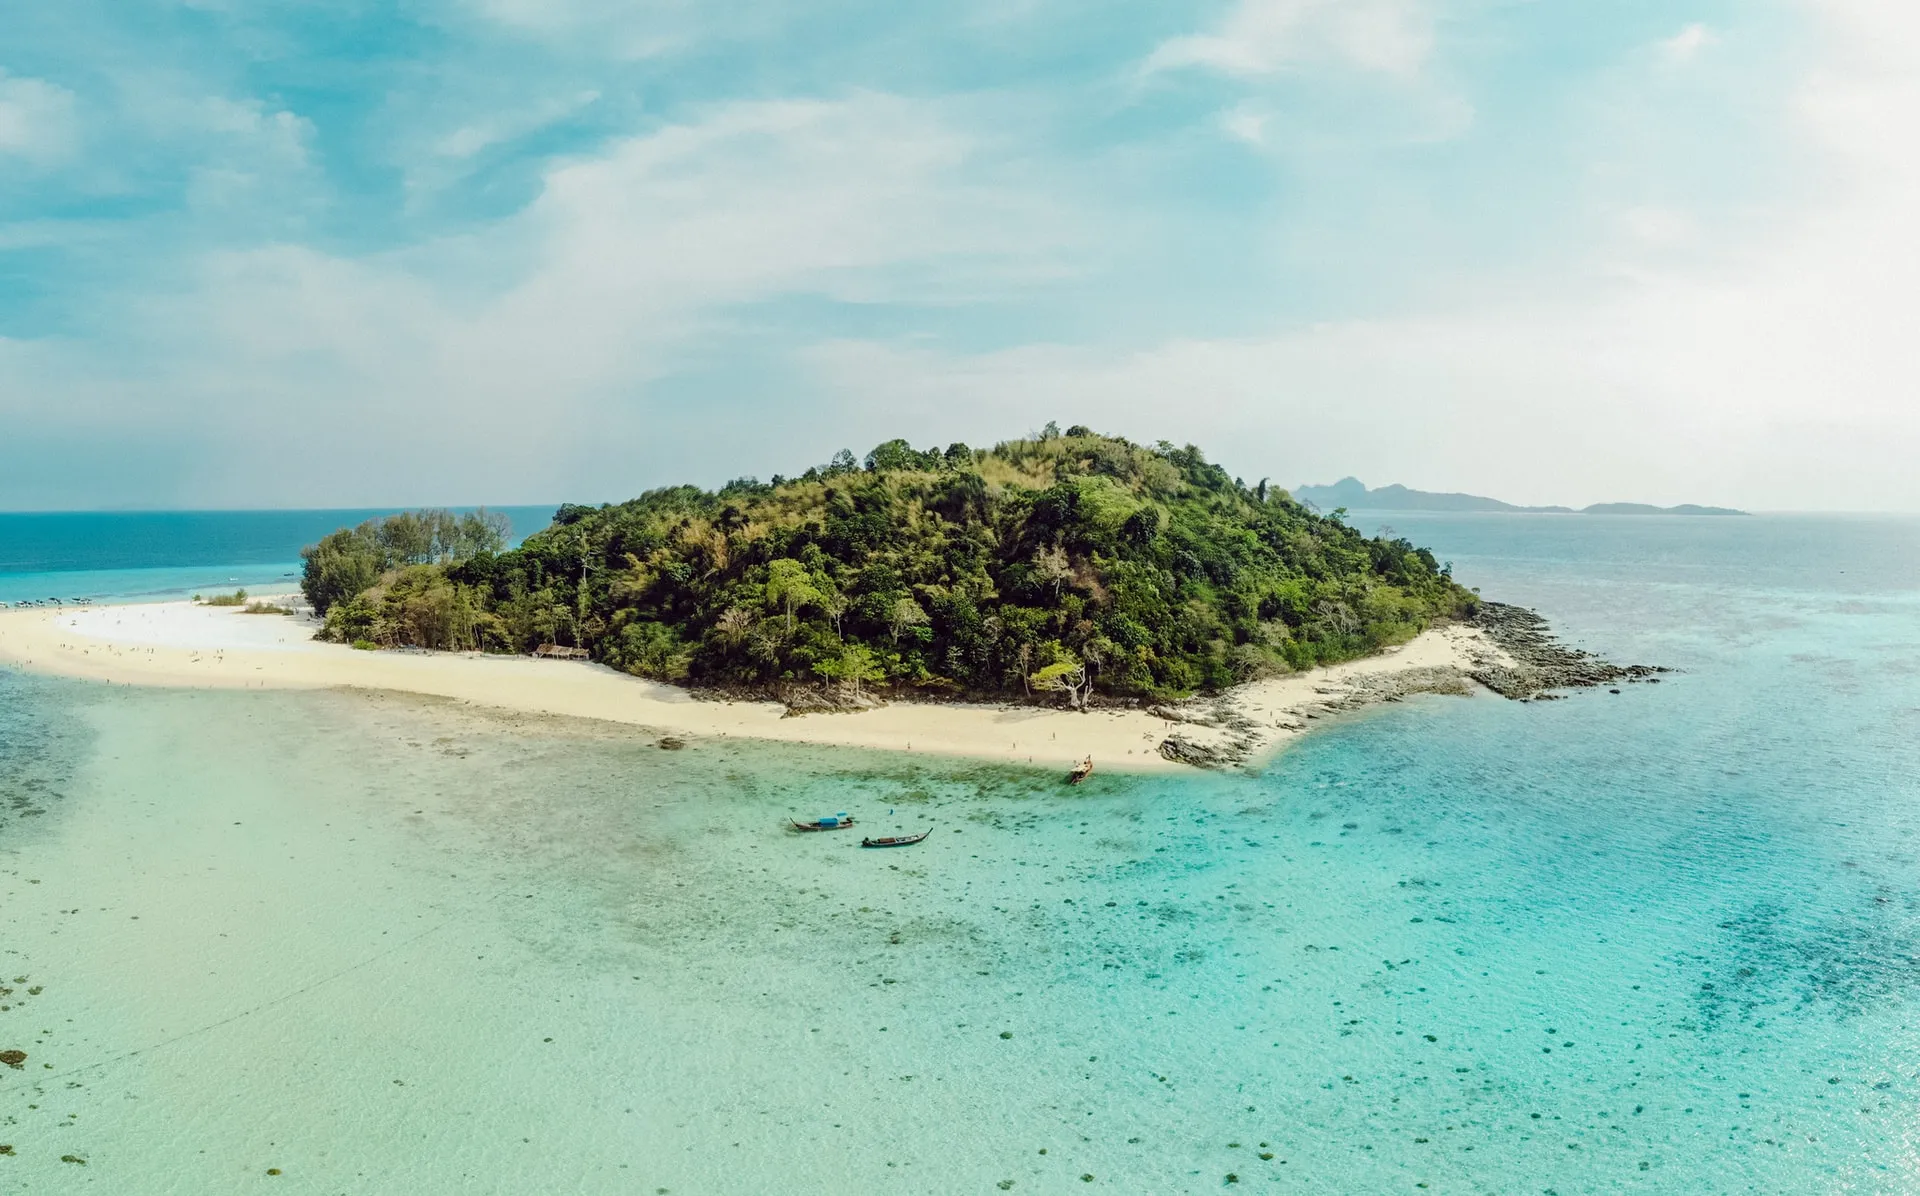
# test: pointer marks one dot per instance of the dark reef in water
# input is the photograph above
(1542, 663)
(1780, 959)
(38, 743)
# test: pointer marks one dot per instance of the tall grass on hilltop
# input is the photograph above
(1072, 563)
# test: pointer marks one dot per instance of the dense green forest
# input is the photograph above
(1071, 564)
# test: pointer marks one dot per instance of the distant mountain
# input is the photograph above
(1352, 494)
(1640, 508)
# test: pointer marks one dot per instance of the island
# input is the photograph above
(1050, 599)
(1354, 495)
(1074, 565)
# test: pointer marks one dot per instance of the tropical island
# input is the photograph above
(1074, 565)
(1051, 599)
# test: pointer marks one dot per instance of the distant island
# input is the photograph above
(1353, 495)
(1070, 564)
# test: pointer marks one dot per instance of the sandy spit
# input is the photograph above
(180, 644)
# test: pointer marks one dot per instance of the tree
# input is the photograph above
(896, 455)
(862, 667)
(350, 561)
(732, 626)
(650, 650)
(340, 566)
(1051, 567)
(546, 622)
(479, 532)
(790, 585)
(853, 667)
(833, 604)
(1067, 676)
(905, 613)
(1141, 526)
(406, 538)
(1097, 652)
(580, 594)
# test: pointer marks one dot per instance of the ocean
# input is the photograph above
(152, 556)
(1666, 940)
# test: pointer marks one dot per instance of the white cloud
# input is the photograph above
(276, 132)
(630, 29)
(1262, 37)
(1769, 365)
(1489, 401)
(1677, 334)
(1658, 227)
(470, 139)
(36, 119)
(1246, 121)
(441, 160)
(525, 353)
(1686, 44)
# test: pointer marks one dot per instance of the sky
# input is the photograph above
(269, 253)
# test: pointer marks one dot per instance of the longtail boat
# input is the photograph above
(831, 823)
(897, 840)
(1081, 771)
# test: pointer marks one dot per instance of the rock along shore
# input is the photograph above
(1514, 654)
(1541, 664)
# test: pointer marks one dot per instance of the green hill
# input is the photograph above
(1076, 564)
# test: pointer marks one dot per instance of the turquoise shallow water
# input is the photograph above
(1662, 941)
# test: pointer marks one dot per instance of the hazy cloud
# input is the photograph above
(562, 315)
(1260, 37)
(1682, 46)
(37, 121)
(579, 248)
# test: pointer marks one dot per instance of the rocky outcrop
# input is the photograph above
(1243, 737)
(827, 699)
(1366, 689)
(1181, 750)
(1520, 659)
(1541, 663)
(1183, 714)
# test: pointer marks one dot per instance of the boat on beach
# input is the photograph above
(831, 822)
(1081, 771)
(897, 840)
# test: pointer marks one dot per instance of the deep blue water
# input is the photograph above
(140, 555)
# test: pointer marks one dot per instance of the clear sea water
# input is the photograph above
(1664, 941)
(145, 556)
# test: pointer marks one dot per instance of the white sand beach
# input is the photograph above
(180, 644)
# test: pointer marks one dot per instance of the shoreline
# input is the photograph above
(183, 645)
